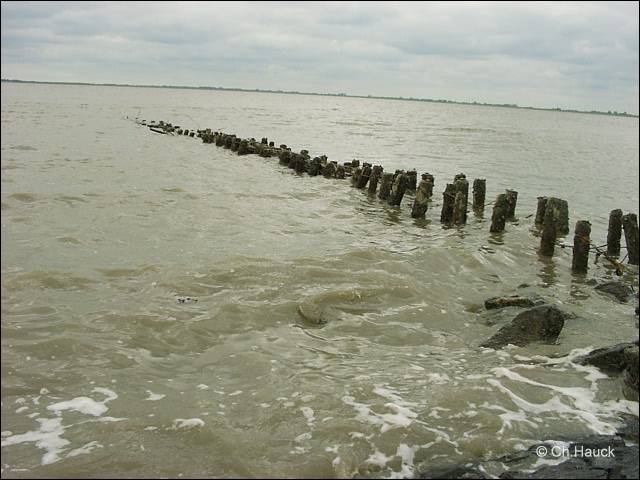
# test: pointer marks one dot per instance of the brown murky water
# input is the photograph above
(105, 225)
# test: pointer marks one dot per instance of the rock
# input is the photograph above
(512, 301)
(312, 314)
(619, 290)
(543, 323)
(630, 374)
(610, 359)
(615, 460)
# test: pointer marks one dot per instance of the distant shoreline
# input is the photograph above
(293, 92)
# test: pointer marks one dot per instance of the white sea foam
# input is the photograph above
(308, 414)
(154, 397)
(86, 405)
(179, 423)
(48, 437)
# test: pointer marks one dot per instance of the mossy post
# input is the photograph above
(376, 173)
(479, 193)
(356, 176)
(398, 190)
(499, 216)
(364, 176)
(512, 199)
(448, 199)
(551, 225)
(385, 186)
(581, 243)
(615, 233)
(330, 170)
(421, 201)
(412, 180)
(630, 226)
(431, 179)
(461, 201)
(542, 206)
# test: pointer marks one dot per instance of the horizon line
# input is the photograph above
(341, 94)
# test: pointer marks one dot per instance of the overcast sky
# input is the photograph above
(572, 55)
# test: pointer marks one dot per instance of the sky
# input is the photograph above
(581, 55)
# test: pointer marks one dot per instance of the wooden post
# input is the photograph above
(461, 201)
(421, 201)
(581, 243)
(398, 190)
(376, 173)
(615, 233)
(500, 210)
(243, 148)
(355, 177)
(630, 225)
(330, 170)
(385, 186)
(512, 199)
(448, 199)
(552, 223)
(431, 179)
(285, 156)
(479, 192)
(315, 166)
(364, 176)
(412, 180)
(542, 205)
(340, 172)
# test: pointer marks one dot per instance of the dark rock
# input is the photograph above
(543, 323)
(619, 290)
(609, 359)
(512, 301)
(630, 374)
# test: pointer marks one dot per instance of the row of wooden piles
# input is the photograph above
(551, 220)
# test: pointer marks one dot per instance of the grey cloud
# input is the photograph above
(583, 55)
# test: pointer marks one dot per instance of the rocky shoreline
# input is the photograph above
(592, 456)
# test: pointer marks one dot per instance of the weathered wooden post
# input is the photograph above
(398, 190)
(581, 244)
(512, 199)
(356, 176)
(339, 170)
(330, 170)
(479, 193)
(315, 166)
(243, 149)
(431, 181)
(421, 202)
(364, 176)
(630, 226)
(412, 180)
(542, 205)
(615, 233)
(448, 199)
(285, 156)
(385, 186)
(376, 173)
(499, 216)
(460, 201)
(552, 225)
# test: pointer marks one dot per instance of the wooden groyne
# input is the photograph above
(551, 216)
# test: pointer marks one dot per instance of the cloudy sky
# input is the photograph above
(572, 55)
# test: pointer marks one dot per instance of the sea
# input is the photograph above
(151, 286)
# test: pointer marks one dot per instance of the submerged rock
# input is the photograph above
(619, 290)
(539, 324)
(313, 314)
(512, 301)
